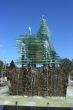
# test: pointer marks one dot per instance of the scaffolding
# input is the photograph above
(37, 49)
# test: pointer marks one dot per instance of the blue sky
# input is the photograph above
(17, 15)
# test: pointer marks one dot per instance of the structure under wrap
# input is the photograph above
(48, 80)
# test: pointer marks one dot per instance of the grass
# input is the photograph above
(37, 101)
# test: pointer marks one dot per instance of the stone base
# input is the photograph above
(69, 91)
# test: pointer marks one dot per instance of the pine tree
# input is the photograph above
(1, 65)
(12, 64)
(67, 64)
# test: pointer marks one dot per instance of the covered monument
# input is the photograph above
(30, 80)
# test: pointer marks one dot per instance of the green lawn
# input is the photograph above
(37, 101)
(5, 99)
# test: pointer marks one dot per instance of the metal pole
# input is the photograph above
(46, 50)
(17, 83)
(17, 90)
(47, 70)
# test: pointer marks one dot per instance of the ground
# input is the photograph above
(5, 99)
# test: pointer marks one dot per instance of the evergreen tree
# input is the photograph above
(1, 65)
(12, 64)
(67, 64)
